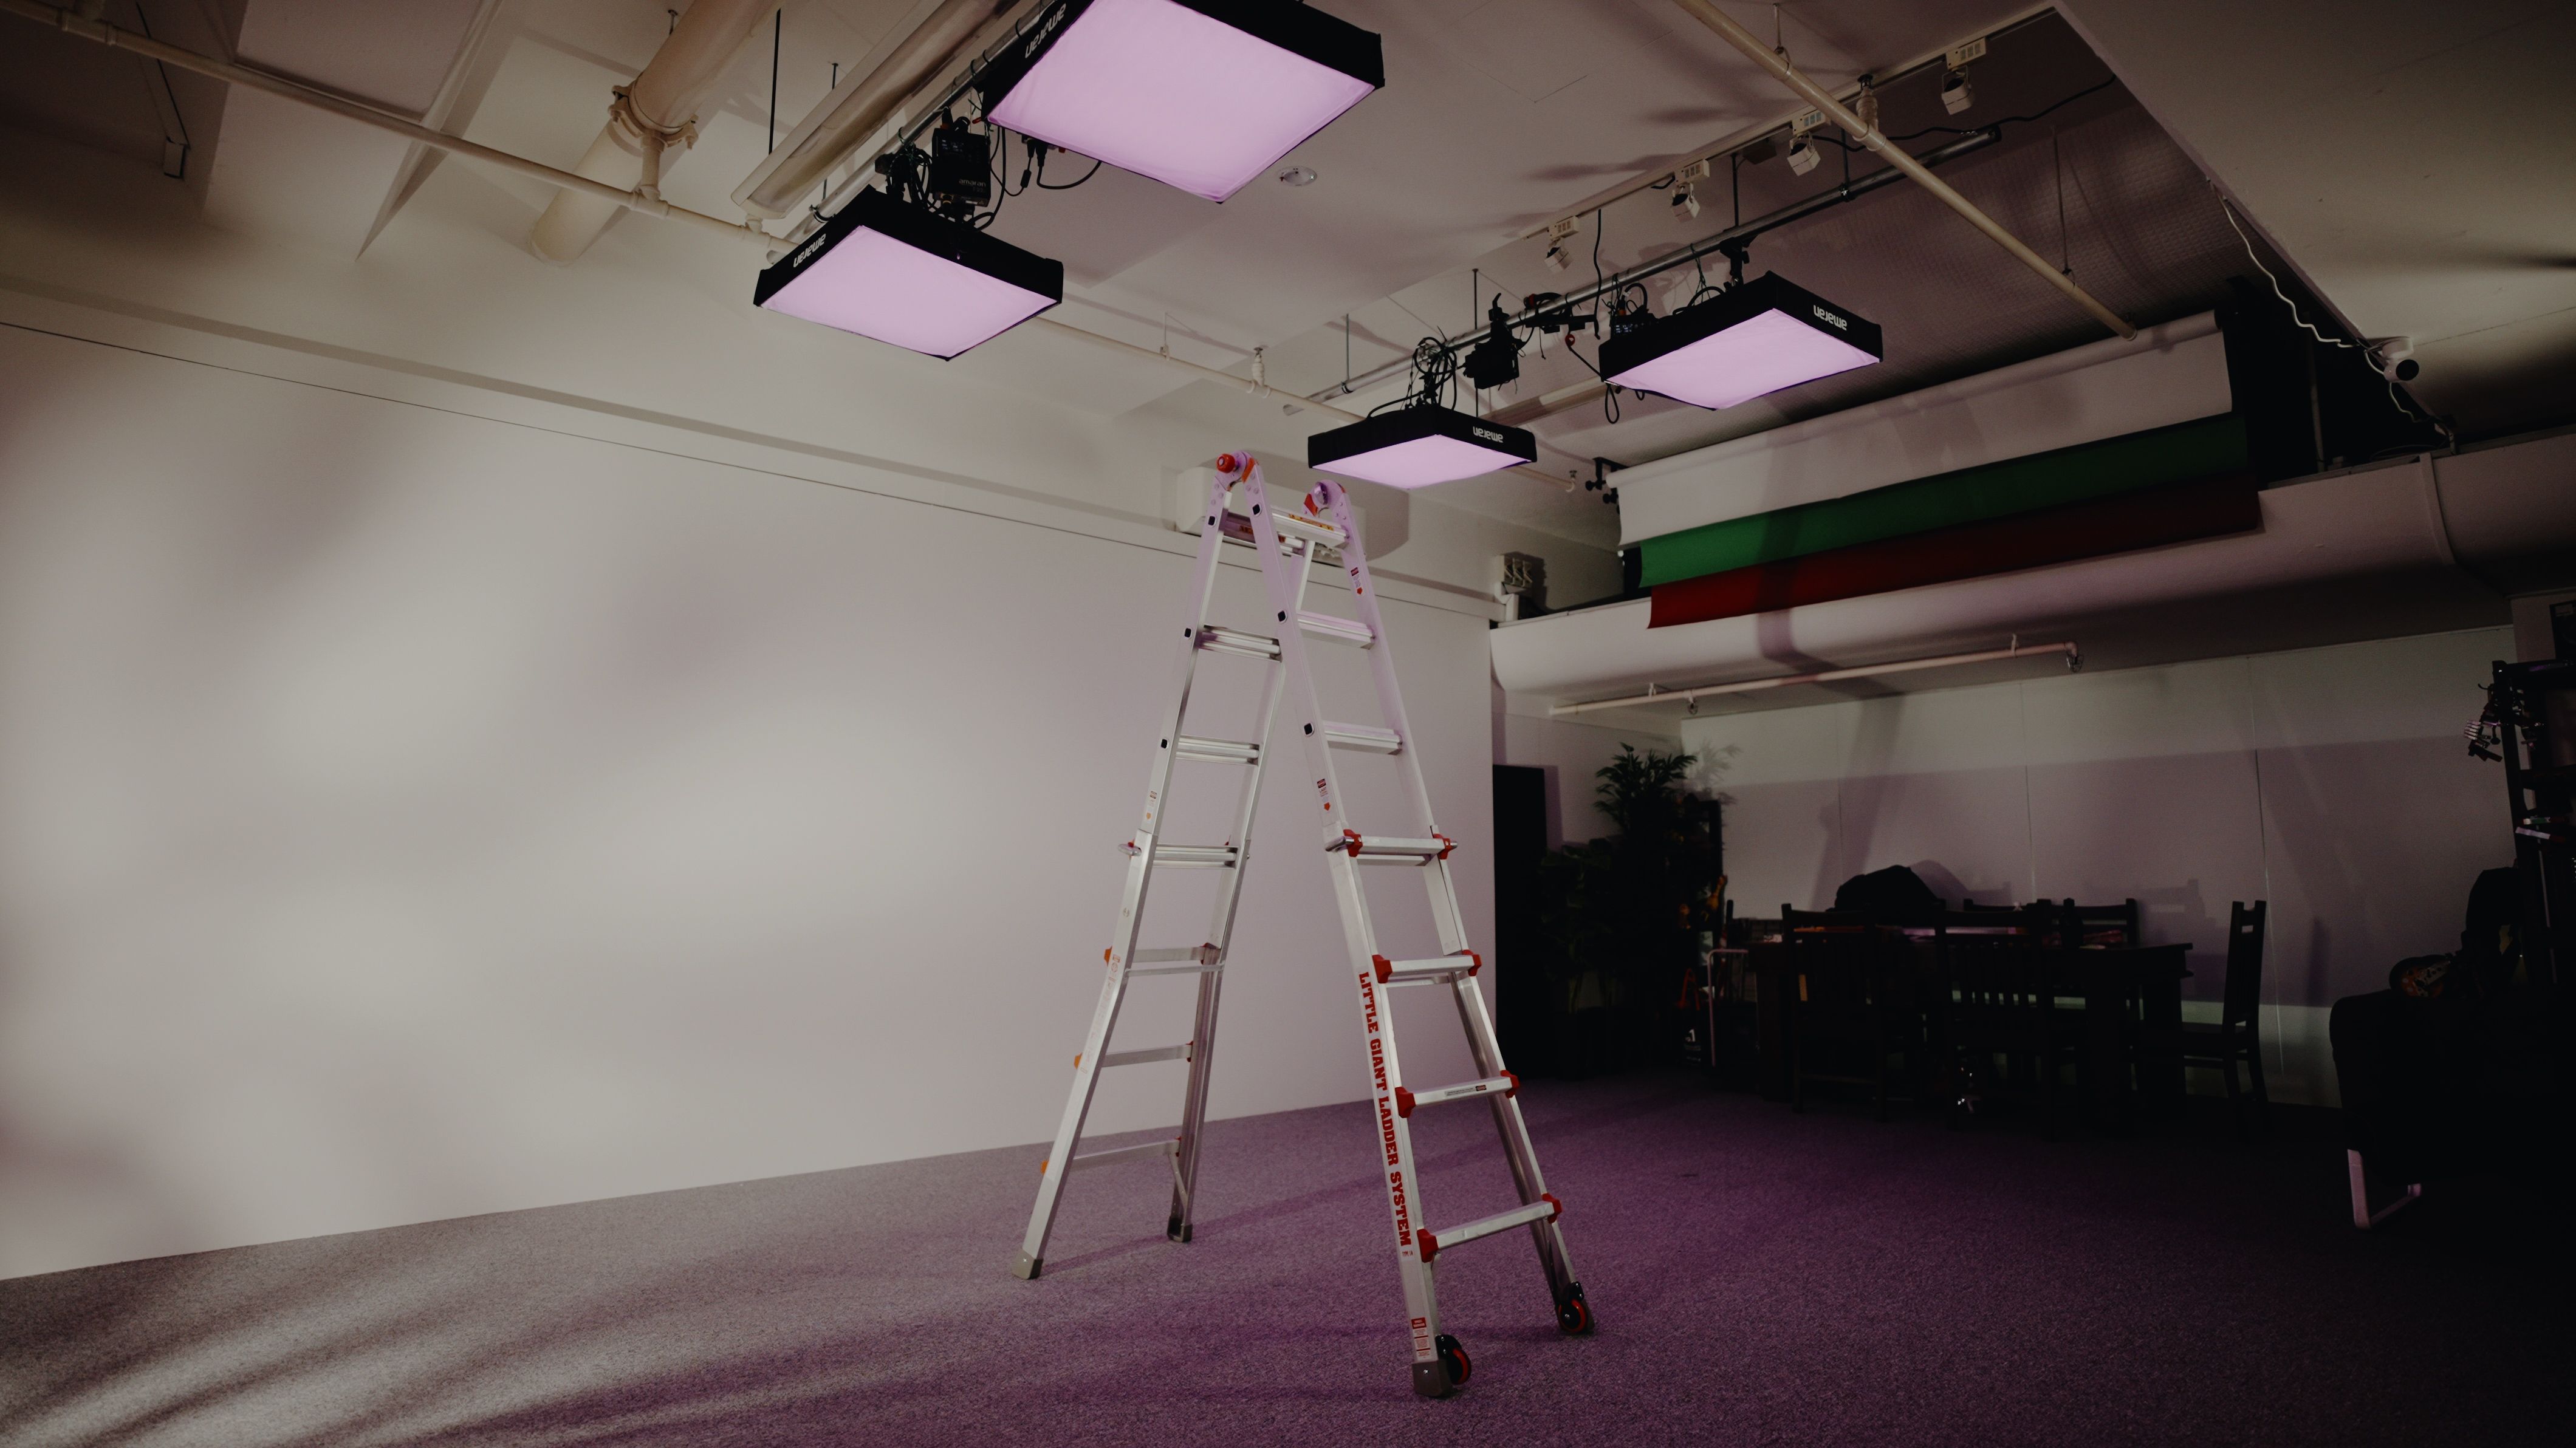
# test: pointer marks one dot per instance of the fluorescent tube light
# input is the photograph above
(1199, 94)
(1746, 341)
(1414, 447)
(885, 269)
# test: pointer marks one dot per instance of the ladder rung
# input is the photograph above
(1196, 857)
(1432, 1244)
(1363, 736)
(1339, 630)
(1392, 850)
(1464, 964)
(1115, 1154)
(1224, 751)
(1506, 1084)
(1236, 641)
(1180, 1052)
(1289, 525)
(1166, 955)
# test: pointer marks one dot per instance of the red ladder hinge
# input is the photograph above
(1403, 1102)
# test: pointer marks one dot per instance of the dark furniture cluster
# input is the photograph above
(2054, 1003)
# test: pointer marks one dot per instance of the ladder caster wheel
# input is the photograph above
(1453, 1360)
(1573, 1314)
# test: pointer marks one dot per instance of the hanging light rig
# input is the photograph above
(907, 265)
(1203, 95)
(1730, 345)
(1420, 440)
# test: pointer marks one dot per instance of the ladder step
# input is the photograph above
(1224, 751)
(1339, 630)
(1176, 960)
(1545, 1209)
(1236, 641)
(1180, 1052)
(1196, 857)
(1238, 526)
(1392, 850)
(1506, 1084)
(1366, 737)
(1166, 1147)
(1461, 966)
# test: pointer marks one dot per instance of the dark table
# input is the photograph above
(2110, 981)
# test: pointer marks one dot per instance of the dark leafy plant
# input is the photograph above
(1621, 913)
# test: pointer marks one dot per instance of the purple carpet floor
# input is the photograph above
(1759, 1277)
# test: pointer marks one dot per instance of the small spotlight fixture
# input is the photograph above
(1685, 203)
(1802, 157)
(1414, 447)
(899, 273)
(2395, 358)
(1496, 361)
(1956, 93)
(1557, 259)
(1753, 338)
(1203, 95)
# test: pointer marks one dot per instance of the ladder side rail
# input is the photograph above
(1519, 1151)
(1395, 1131)
(1441, 890)
(1179, 1224)
(1131, 913)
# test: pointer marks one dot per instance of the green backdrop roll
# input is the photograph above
(2117, 465)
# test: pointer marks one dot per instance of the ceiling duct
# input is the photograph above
(658, 110)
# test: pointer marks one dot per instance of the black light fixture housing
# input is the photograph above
(895, 271)
(1203, 95)
(1756, 337)
(1414, 447)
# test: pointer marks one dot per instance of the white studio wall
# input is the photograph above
(414, 814)
(2330, 781)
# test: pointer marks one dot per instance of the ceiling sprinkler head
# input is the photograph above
(1956, 94)
(1297, 176)
(1802, 157)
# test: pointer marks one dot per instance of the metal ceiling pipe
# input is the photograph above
(1815, 95)
(2019, 650)
(72, 23)
(853, 111)
(657, 111)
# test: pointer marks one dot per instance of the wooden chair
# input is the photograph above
(2237, 1034)
(2093, 922)
(1851, 994)
(2000, 999)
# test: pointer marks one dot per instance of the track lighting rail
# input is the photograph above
(1690, 255)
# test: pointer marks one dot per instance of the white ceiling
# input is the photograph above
(2416, 162)
(2411, 160)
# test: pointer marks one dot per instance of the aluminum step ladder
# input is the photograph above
(1290, 543)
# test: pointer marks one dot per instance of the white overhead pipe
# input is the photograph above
(72, 23)
(852, 112)
(1834, 111)
(2018, 650)
(658, 110)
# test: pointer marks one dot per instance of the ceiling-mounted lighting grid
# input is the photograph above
(1203, 95)
(1756, 337)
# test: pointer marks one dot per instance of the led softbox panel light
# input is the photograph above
(896, 272)
(1199, 94)
(1414, 447)
(1746, 341)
